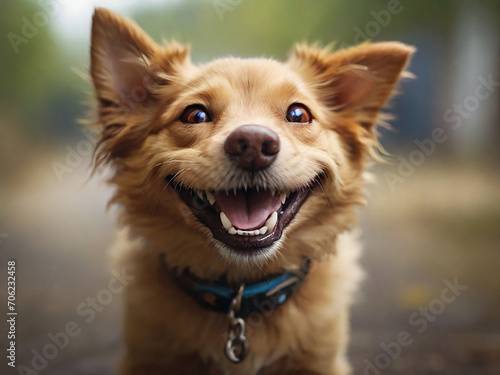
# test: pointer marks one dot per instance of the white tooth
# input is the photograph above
(256, 232)
(232, 231)
(283, 198)
(271, 222)
(273, 192)
(210, 197)
(263, 230)
(225, 221)
(240, 232)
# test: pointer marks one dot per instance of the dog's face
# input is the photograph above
(239, 157)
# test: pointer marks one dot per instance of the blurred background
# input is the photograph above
(431, 228)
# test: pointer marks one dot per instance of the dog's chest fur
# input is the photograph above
(170, 326)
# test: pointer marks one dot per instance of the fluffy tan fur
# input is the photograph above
(141, 90)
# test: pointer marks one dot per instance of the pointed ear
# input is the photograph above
(358, 80)
(129, 71)
(126, 64)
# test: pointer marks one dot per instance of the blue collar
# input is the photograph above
(258, 298)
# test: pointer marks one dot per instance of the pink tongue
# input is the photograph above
(248, 210)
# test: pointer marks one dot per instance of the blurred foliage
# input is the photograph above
(38, 93)
(260, 27)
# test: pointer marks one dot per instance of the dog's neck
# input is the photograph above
(258, 298)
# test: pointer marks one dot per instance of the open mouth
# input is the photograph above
(246, 220)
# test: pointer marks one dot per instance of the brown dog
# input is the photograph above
(237, 182)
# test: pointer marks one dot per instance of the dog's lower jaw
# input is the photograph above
(245, 259)
(166, 332)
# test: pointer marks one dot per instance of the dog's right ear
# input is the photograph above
(128, 70)
(126, 63)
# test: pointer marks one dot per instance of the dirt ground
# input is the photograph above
(430, 303)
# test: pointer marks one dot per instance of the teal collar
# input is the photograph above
(258, 298)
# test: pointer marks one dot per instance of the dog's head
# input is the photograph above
(244, 158)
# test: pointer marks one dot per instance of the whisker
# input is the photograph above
(326, 196)
(173, 178)
(163, 190)
(158, 200)
(157, 165)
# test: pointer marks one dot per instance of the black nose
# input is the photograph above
(254, 147)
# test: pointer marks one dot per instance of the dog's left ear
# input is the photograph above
(356, 81)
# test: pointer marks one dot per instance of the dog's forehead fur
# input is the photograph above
(252, 74)
(245, 87)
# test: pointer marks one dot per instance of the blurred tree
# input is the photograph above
(33, 69)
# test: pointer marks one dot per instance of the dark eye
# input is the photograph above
(195, 114)
(298, 113)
